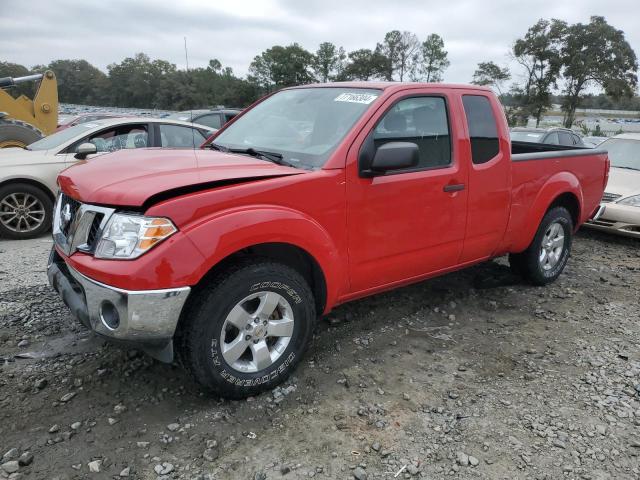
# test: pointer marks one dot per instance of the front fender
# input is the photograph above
(556, 185)
(230, 231)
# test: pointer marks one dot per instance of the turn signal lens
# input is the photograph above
(129, 236)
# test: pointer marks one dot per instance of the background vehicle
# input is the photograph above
(84, 118)
(28, 176)
(23, 121)
(313, 197)
(620, 211)
(550, 136)
(214, 118)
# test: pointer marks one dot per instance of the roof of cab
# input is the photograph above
(393, 85)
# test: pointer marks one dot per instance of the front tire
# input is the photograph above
(546, 257)
(25, 211)
(247, 330)
(17, 134)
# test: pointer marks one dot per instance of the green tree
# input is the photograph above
(431, 60)
(328, 62)
(397, 54)
(539, 52)
(363, 64)
(280, 67)
(492, 75)
(80, 82)
(596, 54)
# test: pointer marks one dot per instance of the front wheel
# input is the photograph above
(25, 211)
(546, 257)
(247, 330)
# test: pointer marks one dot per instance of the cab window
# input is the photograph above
(483, 129)
(419, 120)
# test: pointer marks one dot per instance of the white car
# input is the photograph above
(619, 212)
(28, 176)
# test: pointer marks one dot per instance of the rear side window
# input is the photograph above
(483, 130)
(565, 139)
(212, 121)
(177, 136)
(552, 139)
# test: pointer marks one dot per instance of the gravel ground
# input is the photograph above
(472, 375)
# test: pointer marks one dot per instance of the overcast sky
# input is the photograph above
(38, 31)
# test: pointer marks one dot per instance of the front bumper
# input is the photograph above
(618, 219)
(145, 318)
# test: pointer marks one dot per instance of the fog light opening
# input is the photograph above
(109, 315)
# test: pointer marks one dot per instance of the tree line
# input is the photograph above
(554, 56)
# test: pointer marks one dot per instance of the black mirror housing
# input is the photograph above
(392, 156)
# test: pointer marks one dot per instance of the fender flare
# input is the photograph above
(230, 231)
(557, 185)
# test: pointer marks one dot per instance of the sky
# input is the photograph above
(35, 32)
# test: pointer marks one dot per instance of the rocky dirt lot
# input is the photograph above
(472, 375)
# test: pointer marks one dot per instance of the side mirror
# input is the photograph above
(84, 150)
(393, 156)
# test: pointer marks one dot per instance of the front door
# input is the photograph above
(408, 223)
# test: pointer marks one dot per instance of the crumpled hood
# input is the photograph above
(131, 177)
(623, 181)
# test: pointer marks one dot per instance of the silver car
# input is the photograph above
(28, 176)
(620, 209)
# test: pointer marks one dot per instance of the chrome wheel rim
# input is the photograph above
(552, 246)
(21, 212)
(256, 332)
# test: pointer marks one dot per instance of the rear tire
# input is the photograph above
(246, 331)
(16, 133)
(25, 211)
(546, 257)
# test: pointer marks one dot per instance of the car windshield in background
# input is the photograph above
(623, 153)
(303, 125)
(182, 116)
(61, 137)
(534, 137)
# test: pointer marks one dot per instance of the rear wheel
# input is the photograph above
(25, 211)
(16, 133)
(546, 257)
(248, 329)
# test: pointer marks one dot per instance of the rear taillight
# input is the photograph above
(607, 166)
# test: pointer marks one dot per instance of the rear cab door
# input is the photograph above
(489, 174)
(406, 224)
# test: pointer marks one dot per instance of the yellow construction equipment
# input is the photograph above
(22, 120)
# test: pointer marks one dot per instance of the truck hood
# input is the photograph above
(623, 181)
(134, 177)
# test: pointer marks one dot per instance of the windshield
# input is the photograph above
(303, 125)
(534, 137)
(61, 137)
(623, 153)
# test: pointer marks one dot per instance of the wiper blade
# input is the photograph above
(215, 146)
(271, 156)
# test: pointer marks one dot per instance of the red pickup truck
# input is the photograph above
(312, 197)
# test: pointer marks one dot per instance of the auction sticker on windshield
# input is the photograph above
(365, 98)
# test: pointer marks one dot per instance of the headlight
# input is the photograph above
(129, 236)
(632, 201)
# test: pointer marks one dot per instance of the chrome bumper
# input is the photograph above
(146, 318)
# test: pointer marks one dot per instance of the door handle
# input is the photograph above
(454, 188)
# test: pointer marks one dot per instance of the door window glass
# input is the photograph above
(552, 139)
(118, 138)
(419, 120)
(177, 136)
(483, 129)
(212, 120)
(565, 139)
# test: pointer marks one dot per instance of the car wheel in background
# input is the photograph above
(15, 133)
(25, 211)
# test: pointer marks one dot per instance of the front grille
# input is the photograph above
(68, 211)
(77, 226)
(610, 197)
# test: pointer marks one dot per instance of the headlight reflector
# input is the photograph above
(632, 201)
(129, 236)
